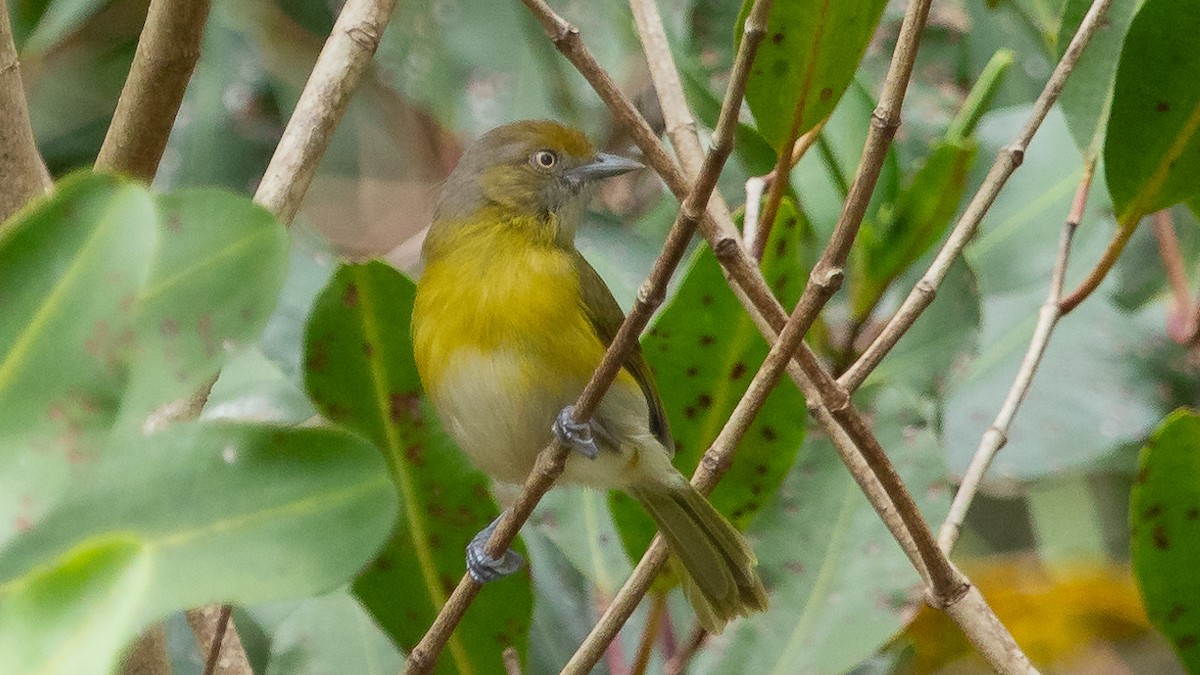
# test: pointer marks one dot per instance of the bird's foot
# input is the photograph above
(578, 436)
(483, 567)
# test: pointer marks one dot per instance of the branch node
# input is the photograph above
(726, 248)
(650, 294)
(883, 119)
(716, 463)
(1017, 154)
(365, 34)
(927, 288)
(828, 278)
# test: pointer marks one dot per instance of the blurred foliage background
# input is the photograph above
(1048, 541)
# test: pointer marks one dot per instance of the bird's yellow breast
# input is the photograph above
(492, 288)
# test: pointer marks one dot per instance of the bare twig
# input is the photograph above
(512, 661)
(1007, 161)
(550, 461)
(166, 54)
(679, 662)
(322, 104)
(1179, 316)
(1116, 246)
(997, 434)
(645, 649)
(148, 656)
(22, 174)
(756, 229)
(948, 586)
(224, 654)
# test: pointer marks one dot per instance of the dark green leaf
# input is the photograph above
(1152, 146)
(1086, 98)
(704, 351)
(806, 61)
(359, 370)
(1164, 521)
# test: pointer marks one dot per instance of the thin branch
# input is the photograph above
(512, 661)
(756, 229)
(550, 461)
(1007, 161)
(949, 587)
(1179, 316)
(22, 174)
(1116, 246)
(166, 54)
(326, 95)
(827, 275)
(997, 434)
(224, 654)
(678, 663)
(645, 649)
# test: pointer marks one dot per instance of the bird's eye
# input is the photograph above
(544, 159)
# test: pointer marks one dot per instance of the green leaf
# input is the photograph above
(1164, 521)
(359, 370)
(1087, 96)
(806, 61)
(1152, 144)
(223, 512)
(331, 634)
(117, 302)
(704, 351)
(830, 566)
(907, 229)
(72, 615)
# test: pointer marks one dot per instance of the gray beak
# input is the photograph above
(603, 165)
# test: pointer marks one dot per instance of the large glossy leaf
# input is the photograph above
(222, 512)
(830, 566)
(1164, 520)
(116, 303)
(359, 370)
(704, 351)
(1152, 145)
(73, 615)
(806, 61)
(1086, 98)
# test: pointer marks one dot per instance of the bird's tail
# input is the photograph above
(719, 579)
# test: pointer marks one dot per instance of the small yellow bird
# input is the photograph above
(510, 322)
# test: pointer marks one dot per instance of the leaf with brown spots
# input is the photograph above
(1166, 548)
(703, 353)
(360, 330)
(813, 50)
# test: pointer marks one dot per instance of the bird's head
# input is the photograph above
(533, 168)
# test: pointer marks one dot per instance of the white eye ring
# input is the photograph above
(544, 159)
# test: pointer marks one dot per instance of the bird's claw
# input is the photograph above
(484, 568)
(578, 436)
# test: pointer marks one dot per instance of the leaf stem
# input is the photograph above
(1116, 246)
(678, 663)
(641, 658)
(1180, 318)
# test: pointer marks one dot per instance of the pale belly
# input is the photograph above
(502, 418)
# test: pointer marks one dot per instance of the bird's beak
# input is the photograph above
(603, 165)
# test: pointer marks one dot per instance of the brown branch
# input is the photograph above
(1007, 161)
(756, 229)
(512, 661)
(326, 95)
(22, 174)
(148, 655)
(224, 654)
(997, 434)
(678, 663)
(550, 461)
(1116, 246)
(166, 54)
(949, 587)
(1179, 317)
(654, 622)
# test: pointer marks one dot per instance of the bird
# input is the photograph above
(510, 321)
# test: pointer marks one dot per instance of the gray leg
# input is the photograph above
(484, 568)
(578, 437)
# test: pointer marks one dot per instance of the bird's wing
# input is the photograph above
(606, 316)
